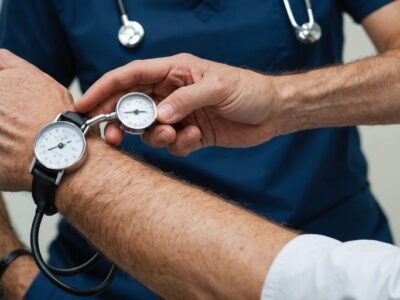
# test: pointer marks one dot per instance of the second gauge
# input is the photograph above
(137, 112)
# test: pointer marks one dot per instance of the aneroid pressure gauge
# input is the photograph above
(60, 145)
(136, 112)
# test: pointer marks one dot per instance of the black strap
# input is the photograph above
(44, 180)
(74, 117)
(44, 189)
(7, 261)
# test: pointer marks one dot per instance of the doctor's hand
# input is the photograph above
(29, 99)
(200, 103)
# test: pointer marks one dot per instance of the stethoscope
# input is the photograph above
(131, 33)
(308, 33)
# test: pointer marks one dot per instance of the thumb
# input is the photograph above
(184, 101)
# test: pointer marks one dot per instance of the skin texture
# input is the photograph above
(232, 107)
(208, 98)
(162, 231)
(20, 81)
(180, 241)
(363, 83)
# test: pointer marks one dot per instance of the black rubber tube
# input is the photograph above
(49, 274)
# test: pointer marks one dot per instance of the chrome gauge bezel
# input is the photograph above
(136, 130)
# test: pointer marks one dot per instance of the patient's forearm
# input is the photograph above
(366, 92)
(178, 240)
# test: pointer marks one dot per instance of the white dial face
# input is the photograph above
(60, 145)
(136, 111)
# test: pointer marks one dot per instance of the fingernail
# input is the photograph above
(165, 111)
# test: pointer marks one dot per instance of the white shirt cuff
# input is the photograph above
(318, 267)
(302, 249)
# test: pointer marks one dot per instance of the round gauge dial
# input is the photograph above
(60, 145)
(131, 34)
(136, 111)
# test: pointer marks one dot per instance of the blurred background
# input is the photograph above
(381, 146)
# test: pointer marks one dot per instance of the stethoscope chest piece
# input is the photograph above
(309, 33)
(131, 33)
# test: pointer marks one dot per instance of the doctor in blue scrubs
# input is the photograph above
(313, 181)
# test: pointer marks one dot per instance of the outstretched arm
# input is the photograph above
(365, 92)
(180, 241)
(232, 107)
(176, 239)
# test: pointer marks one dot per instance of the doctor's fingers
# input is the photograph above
(160, 136)
(187, 141)
(187, 99)
(108, 105)
(113, 134)
(179, 143)
(139, 72)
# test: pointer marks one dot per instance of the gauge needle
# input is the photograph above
(60, 146)
(136, 112)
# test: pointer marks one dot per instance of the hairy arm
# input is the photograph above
(366, 92)
(20, 273)
(178, 240)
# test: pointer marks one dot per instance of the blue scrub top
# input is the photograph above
(314, 181)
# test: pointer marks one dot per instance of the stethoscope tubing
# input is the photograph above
(308, 33)
(122, 8)
(291, 16)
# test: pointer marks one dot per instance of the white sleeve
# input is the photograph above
(318, 267)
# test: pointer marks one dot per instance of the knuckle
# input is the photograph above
(111, 79)
(178, 151)
(4, 53)
(107, 76)
(136, 63)
(219, 83)
(184, 56)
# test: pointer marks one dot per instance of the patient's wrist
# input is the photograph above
(296, 108)
(18, 277)
(73, 185)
